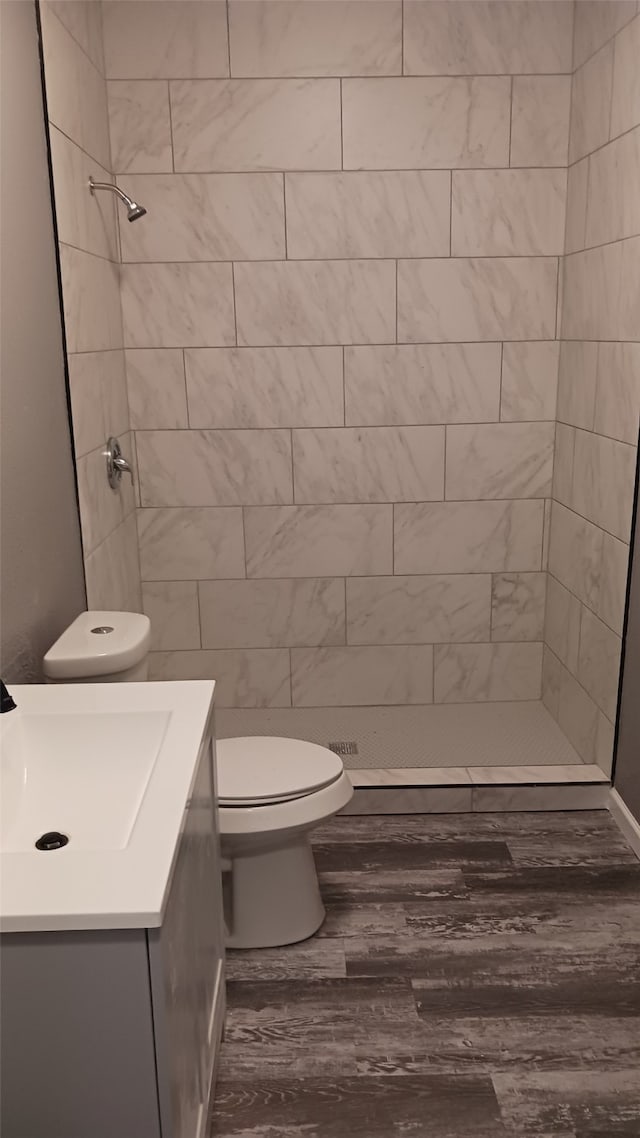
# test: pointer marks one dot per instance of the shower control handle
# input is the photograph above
(117, 464)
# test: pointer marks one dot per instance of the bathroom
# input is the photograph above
(372, 355)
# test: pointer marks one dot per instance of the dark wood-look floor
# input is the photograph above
(477, 975)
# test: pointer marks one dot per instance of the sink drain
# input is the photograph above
(52, 840)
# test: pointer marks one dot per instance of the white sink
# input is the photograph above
(83, 775)
(110, 766)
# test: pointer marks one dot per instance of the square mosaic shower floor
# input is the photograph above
(451, 735)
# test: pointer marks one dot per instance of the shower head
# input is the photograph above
(134, 209)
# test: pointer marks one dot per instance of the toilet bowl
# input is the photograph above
(272, 793)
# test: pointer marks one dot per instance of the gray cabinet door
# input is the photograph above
(187, 966)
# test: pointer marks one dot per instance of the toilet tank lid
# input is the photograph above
(97, 644)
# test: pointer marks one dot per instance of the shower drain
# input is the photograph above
(344, 748)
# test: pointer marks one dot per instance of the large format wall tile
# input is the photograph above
(599, 662)
(382, 214)
(177, 305)
(101, 508)
(505, 460)
(172, 608)
(343, 677)
(625, 102)
(611, 597)
(418, 610)
(155, 382)
(98, 389)
(592, 306)
(591, 104)
(577, 383)
(603, 482)
(255, 678)
(91, 301)
(575, 554)
(206, 217)
(510, 298)
(487, 37)
(425, 383)
(540, 120)
(319, 37)
(83, 19)
(469, 673)
(517, 606)
(613, 209)
(112, 573)
(465, 537)
(264, 387)
(140, 126)
(76, 91)
(595, 22)
(190, 544)
(370, 464)
(310, 302)
(165, 39)
(256, 124)
(576, 212)
(562, 623)
(214, 468)
(87, 221)
(305, 541)
(502, 213)
(272, 614)
(617, 400)
(406, 124)
(529, 381)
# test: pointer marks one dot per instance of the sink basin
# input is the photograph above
(110, 766)
(83, 775)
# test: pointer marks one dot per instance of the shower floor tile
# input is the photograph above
(456, 736)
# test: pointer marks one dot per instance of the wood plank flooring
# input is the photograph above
(477, 975)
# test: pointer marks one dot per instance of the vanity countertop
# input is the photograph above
(111, 767)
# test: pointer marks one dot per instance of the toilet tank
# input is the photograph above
(100, 647)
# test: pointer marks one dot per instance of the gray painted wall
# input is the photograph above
(40, 554)
(627, 769)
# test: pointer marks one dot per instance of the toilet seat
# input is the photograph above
(261, 771)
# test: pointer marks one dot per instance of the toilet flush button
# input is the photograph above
(102, 629)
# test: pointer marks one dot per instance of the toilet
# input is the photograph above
(272, 792)
(100, 647)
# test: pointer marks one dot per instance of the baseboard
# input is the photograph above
(625, 820)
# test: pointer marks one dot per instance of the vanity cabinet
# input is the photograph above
(114, 1033)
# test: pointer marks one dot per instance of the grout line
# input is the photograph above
(173, 157)
(396, 299)
(450, 213)
(402, 37)
(293, 477)
(290, 677)
(186, 389)
(393, 539)
(510, 118)
(444, 476)
(228, 38)
(344, 389)
(284, 214)
(198, 606)
(341, 130)
(233, 295)
(500, 419)
(244, 545)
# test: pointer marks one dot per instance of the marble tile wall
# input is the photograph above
(88, 236)
(599, 382)
(340, 333)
